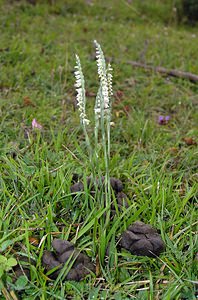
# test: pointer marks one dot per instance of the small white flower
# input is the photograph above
(80, 89)
(102, 105)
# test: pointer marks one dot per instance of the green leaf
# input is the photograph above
(85, 228)
(1, 272)
(5, 245)
(21, 283)
(11, 262)
(3, 260)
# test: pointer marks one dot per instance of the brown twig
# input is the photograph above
(13, 295)
(171, 72)
(6, 294)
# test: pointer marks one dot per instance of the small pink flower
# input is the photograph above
(35, 124)
(163, 120)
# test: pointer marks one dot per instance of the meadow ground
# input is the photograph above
(157, 163)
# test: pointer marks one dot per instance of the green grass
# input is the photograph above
(159, 171)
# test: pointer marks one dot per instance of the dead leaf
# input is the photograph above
(189, 141)
(119, 95)
(28, 102)
(173, 150)
(34, 241)
(97, 266)
(127, 109)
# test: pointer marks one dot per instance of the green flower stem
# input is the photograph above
(90, 151)
(106, 157)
